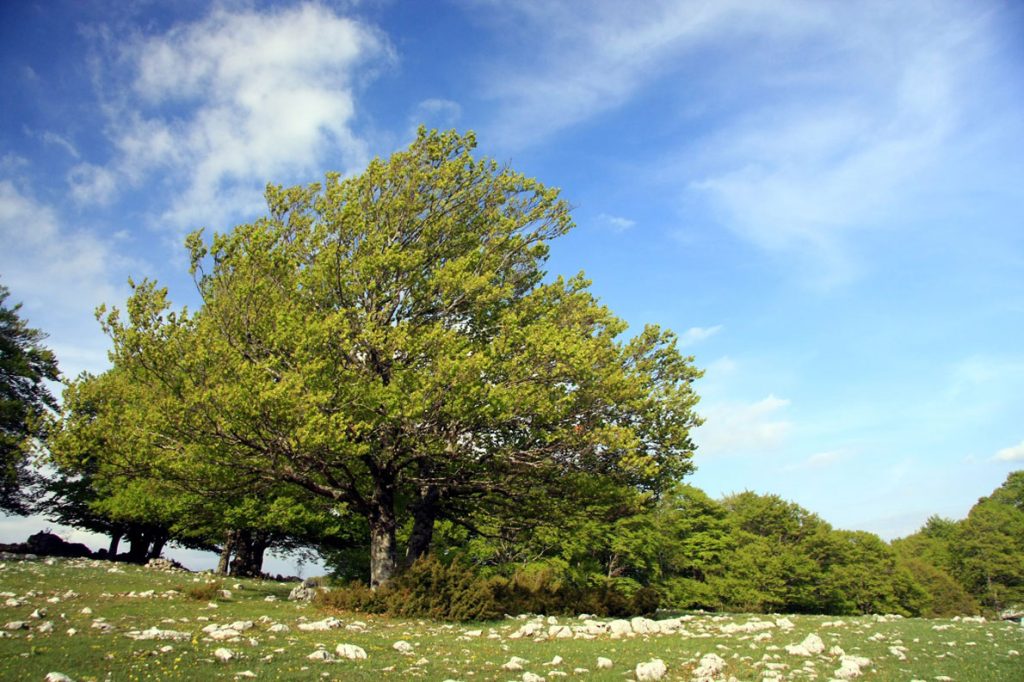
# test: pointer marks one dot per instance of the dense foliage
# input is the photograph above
(25, 402)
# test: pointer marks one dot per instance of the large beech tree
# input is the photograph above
(389, 342)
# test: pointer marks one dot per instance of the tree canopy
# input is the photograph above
(25, 401)
(390, 342)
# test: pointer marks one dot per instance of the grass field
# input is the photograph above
(85, 619)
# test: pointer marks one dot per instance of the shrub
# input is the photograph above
(205, 592)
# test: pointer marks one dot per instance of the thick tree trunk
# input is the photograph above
(225, 553)
(115, 540)
(249, 549)
(139, 547)
(424, 513)
(383, 550)
(159, 540)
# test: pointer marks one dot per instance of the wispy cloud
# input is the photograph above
(615, 223)
(832, 119)
(57, 273)
(221, 106)
(743, 428)
(437, 113)
(1014, 453)
(819, 460)
(695, 335)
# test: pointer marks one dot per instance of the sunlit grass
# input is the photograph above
(962, 651)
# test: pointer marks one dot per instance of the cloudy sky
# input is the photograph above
(824, 199)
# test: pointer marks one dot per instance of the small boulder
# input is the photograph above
(604, 663)
(651, 670)
(351, 652)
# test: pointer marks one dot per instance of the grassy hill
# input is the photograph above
(94, 620)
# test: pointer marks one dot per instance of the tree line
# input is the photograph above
(380, 369)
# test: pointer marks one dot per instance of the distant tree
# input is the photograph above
(389, 342)
(25, 402)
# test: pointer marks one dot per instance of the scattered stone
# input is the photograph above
(351, 652)
(850, 667)
(402, 647)
(321, 655)
(532, 677)
(811, 646)
(560, 632)
(604, 663)
(319, 625)
(620, 627)
(57, 677)
(514, 664)
(278, 627)
(709, 667)
(245, 673)
(16, 625)
(557, 660)
(157, 633)
(224, 655)
(651, 670)
(38, 614)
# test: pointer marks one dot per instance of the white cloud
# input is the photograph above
(1014, 453)
(50, 137)
(819, 460)
(824, 123)
(222, 106)
(733, 428)
(436, 113)
(92, 184)
(697, 334)
(57, 274)
(615, 223)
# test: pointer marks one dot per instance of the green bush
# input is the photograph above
(457, 592)
(205, 592)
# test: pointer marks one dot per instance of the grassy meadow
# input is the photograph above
(90, 621)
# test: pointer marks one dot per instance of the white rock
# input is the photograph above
(812, 645)
(45, 627)
(785, 623)
(557, 660)
(750, 626)
(157, 633)
(604, 663)
(351, 652)
(710, 665)
(242, 625)
(72, 632)
(402, 647)
(620, 627)
(560, 632)
(651, 670)
(850, 667)
(321, 655)
(16, 625)
(222, 634)
(319, 625)
(245, 673)
(643, 625)
(899, 652)
(278, 627)
(57, 677)
(223, 655)
(38, 614)
(532, 677)
(86, 611)
(514, 664)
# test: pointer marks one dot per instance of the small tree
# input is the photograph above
(25, 402)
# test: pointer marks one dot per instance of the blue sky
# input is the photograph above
(824, 199)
